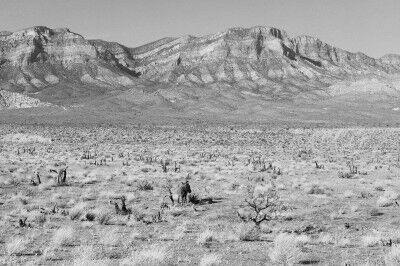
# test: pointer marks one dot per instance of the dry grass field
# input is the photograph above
(259, 196)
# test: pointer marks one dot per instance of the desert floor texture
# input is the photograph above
(259, 196)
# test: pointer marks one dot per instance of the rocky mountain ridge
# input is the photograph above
(62, 67)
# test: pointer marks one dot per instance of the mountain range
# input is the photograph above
(257, 73)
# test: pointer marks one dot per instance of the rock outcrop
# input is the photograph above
(265, 63)
(39, 57)
(256, 55)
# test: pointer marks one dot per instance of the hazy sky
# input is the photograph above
(369, 26)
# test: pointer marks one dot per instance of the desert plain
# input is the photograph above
(259, 195)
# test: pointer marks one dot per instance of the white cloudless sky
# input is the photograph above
(369, 26)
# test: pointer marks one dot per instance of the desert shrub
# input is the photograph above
(153, 255)
(285, 250)
(355, 208)
(64, 236)
(384, 201)
(345, 175)
(83, 255)
(210, 260)
(343, 242)
(179, 231)
(86, 255)
(134, 235)
(138, 215)
(390, 194)
(23, 200)
(371, 239)
(110, 237)
(146, 169)
(16, 246)
(145, 185)
(38, 218)
(349, 194)
(206, 238)
(194, 198)
(90, 216)
(393, 236)
(248, 232)
(375, 212)
(46, 185)
(77, 211)
(365, 195)
(325, 238)
(262, 204)
(314, 189)
(103, 216)
(303, 239)
(388, 198)
(392, 258)
(229, 234)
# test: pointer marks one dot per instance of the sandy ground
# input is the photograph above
(316, 216)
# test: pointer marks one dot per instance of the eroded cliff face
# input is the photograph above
(41, 44)
(255, 55)
(39, 57)
(264, 62)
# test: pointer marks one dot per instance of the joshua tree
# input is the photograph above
(168, 189)
(318, 166)
(123, 210)
(22, 222)
(164, 166)
(61, 175)
(177, 168)
(352, 167)
(38, 181)
(183, 191)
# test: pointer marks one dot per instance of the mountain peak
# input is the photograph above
(240, 32)
(57, 64)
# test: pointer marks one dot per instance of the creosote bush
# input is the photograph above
(145, 185)
(262, 204)
(103, 216)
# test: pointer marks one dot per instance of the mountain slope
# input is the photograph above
(36, 59)
(235, 71)
(255, 57)
(12, 100)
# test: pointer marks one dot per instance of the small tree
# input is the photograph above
(262, 204)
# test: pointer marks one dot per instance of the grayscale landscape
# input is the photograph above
(247, 146)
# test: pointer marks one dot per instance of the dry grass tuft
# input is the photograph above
(150, 256)
(285, 250)
(65, 236)
(392, 258)
(76, 212)
(210, 260)
(207, 237)
(103, 215)
(16, 246)
(371, 240)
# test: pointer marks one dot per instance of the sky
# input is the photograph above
(368, 26)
